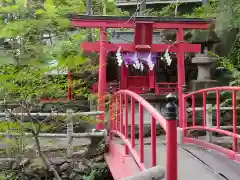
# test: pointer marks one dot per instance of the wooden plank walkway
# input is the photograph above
(194, 163)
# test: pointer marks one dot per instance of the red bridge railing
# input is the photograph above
(119, 103)
(216, 96)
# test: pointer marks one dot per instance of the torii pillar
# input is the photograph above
(102, 84)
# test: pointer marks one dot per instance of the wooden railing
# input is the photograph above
(206, 123)
(119, 103)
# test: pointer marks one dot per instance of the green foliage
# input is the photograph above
(168, 10)
(204, 11)
(98, 173)
(16, 127)
(32, 22)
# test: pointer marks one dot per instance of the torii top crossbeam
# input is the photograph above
(143, 35)
(129, 22)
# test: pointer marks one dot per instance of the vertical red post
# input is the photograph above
(117, 114)
(141, 133)
(181, 74)
(218, 108)
(102, 77)
(126, 122)
(111, 119)
(171, 139)
(69, 88)
(123, 76)
(234, 105)
(133, 122)
(153, 141)
(171, 148)
(193, 111)
(151, 78)
(121, 112)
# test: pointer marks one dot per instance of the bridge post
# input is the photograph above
(69, 132)
(171, 137)
(209, 121)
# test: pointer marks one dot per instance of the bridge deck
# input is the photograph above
(195, 163)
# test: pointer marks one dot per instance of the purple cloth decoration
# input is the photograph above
(129, 58)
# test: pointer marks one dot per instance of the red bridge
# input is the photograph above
(177, 154)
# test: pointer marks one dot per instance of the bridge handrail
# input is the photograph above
(233, 154)
(221, 88)
(146, 105)
(170, 127)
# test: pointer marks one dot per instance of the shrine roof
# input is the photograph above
(139, 18)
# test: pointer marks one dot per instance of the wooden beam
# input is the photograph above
(95, 47)
(124, 24)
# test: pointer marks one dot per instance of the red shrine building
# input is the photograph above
(138, 63)
(136, 66)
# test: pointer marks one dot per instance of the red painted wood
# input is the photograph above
(153, 142)
(138, 82)
(126, 121)
(165, 88)
(143, 35)
(120, 165)
(121, 112)
(234, 111)
(123, 77)
(233, 154)
(152, 78)
(168, 126)
(132, 122)
(171, 149)
(218, 108)
(102, 78)
(123, 24)
(193, 111)
(141, 133)
(111, 117)
(95, 47)
(117, 113)
(180, 73)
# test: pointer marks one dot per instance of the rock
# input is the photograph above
(64, 166)
(72, 175)
(64, 175)
(93, 148)
(37, 163)
(58, 160)
(82, 168)
(6, 162)
(30, 153)
(99, 158)
(99, 165)
(78, 177)
(24, 162)
(75, 165)
(80, 153)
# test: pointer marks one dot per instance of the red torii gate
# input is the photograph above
(143, 35)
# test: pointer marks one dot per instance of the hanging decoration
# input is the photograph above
(137, 59)
(119, 56)
(167, 58)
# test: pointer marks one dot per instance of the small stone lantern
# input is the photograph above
(204, 64)
(204, 61)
